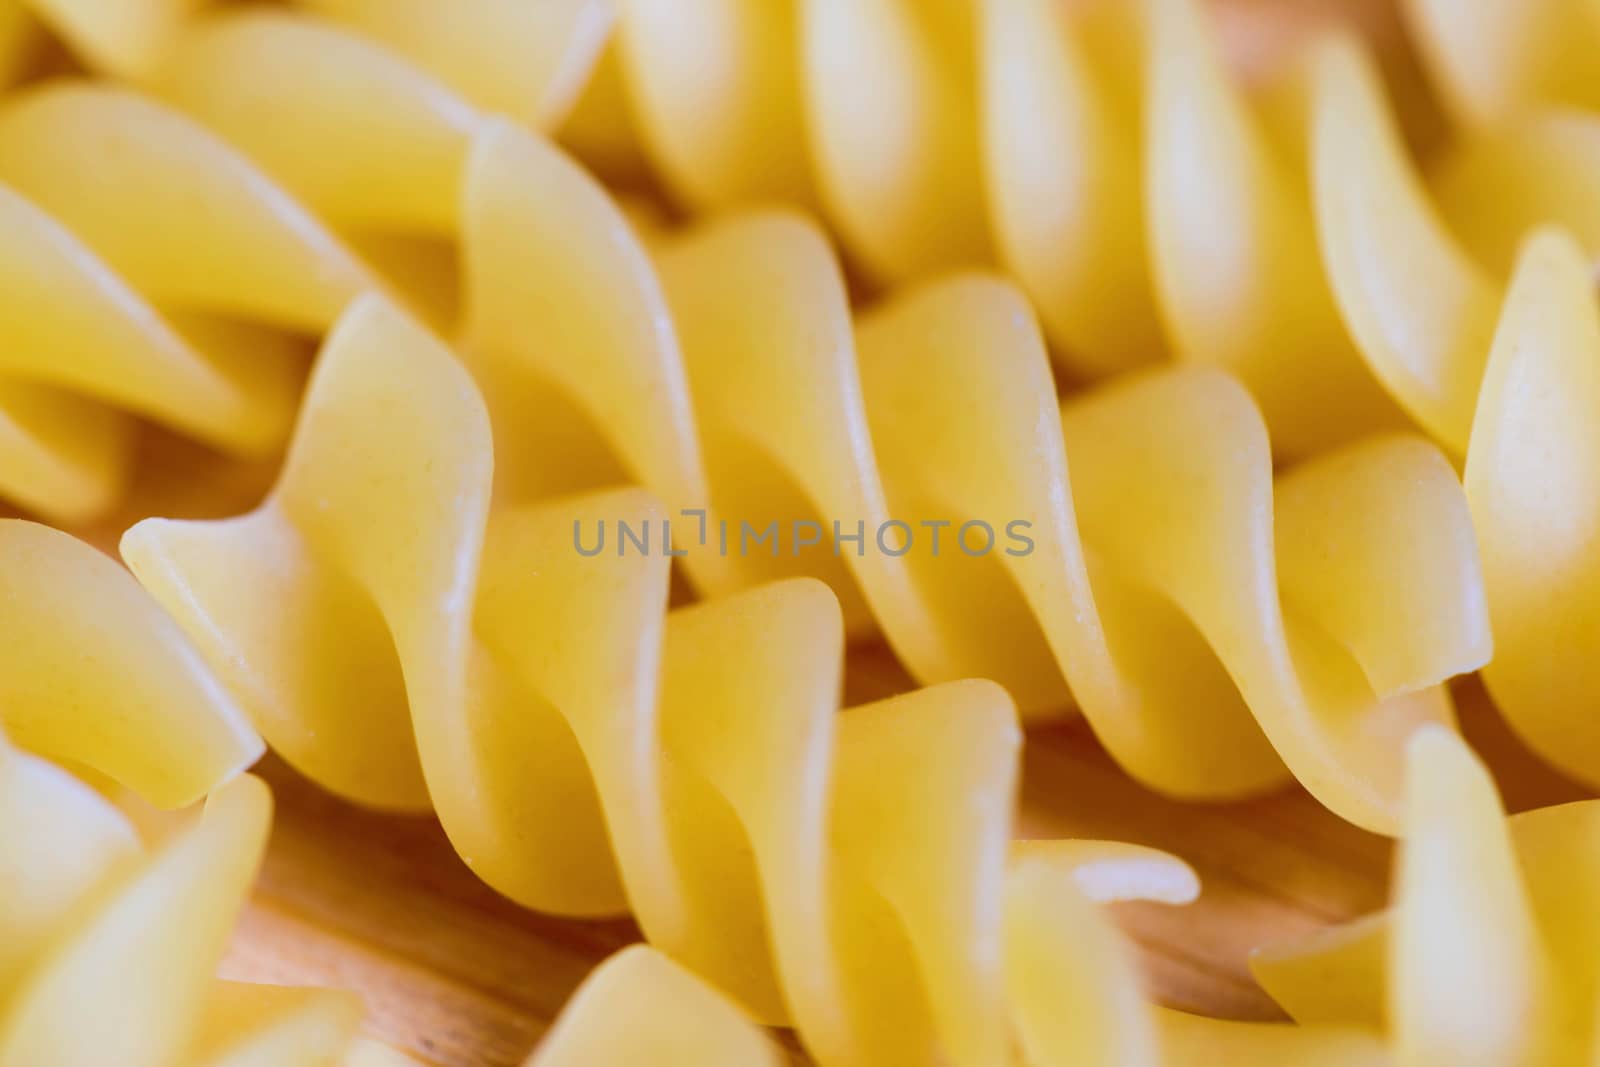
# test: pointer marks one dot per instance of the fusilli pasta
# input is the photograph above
(407, 643)
(1285, 234)
(408, 623)
(109, 943)
(645, 369)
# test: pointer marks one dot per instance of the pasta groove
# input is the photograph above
(588, 751)
(96, 924)
(778, 405)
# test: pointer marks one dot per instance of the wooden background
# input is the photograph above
(462, 978)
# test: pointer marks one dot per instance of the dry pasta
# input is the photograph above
(1094, 1009)
(408, 643)
(375, 145)
(110, 947)
(1487, 953)
(520, 59)
(643, 370)
(408, 621)
(1280, 234)
(1287, 236)
(150, 715)
(109, 943)
(429, 170)
(143, 264)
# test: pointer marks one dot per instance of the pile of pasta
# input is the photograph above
(1487, 956)
(587, 751)
(642, 368)
(112, 923)
(1254, 562)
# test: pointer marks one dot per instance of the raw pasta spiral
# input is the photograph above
(108, 944)
(588, 751)
(1488, 953)
(1306, 622)
(1285, 235)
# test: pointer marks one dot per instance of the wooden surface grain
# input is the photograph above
(462, 978)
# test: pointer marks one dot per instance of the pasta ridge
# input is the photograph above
(723, 371)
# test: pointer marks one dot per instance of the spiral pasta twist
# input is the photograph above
(588, 751)
(1486, 955)
(1285, 235)
(108, 945)
(642, 368)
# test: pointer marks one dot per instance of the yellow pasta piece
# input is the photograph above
(673, 1018)
(1488, 953)
(1507, 383)
(1509, 56)
(129, 232)
(1064, 165)
(108, 945)
(122, 38)
(109, 949)
(716, 85)
(1497, 186)
(1532, 472)
(150, 715)
(19, 40)
(529, 60)
(181, 215)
